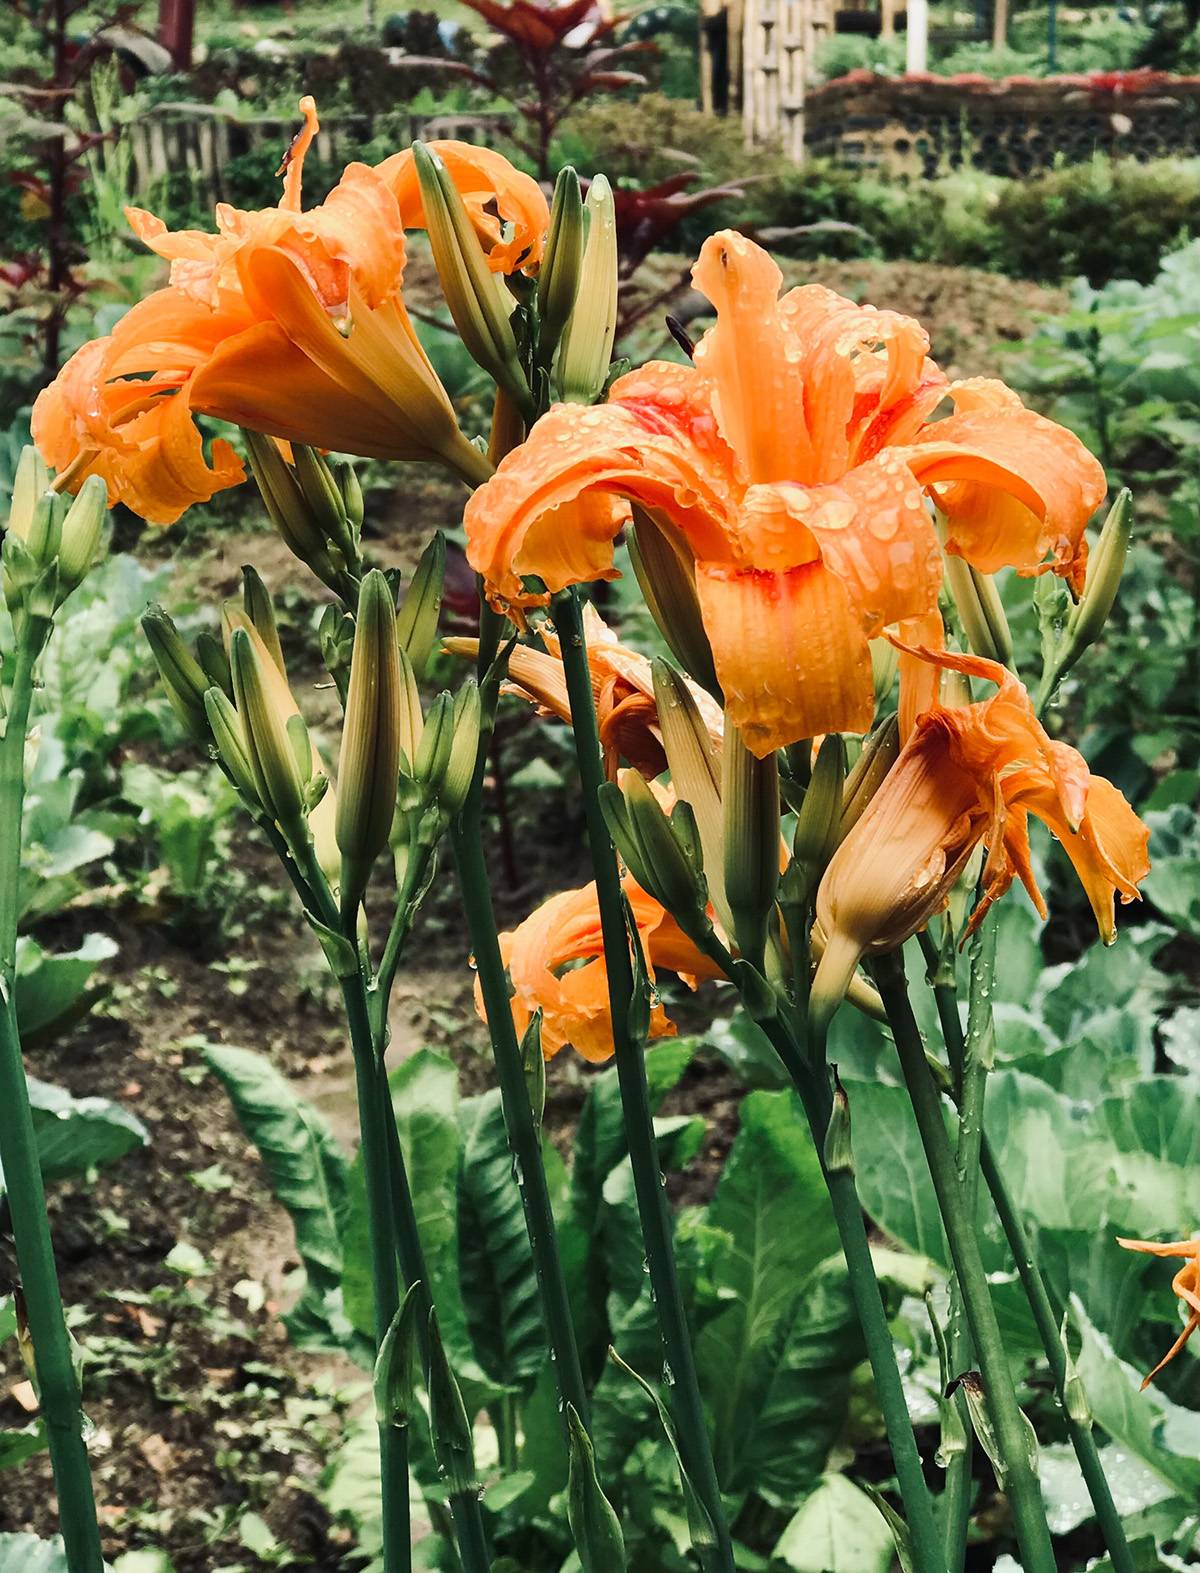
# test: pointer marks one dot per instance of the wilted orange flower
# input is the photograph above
(286, 321)
(794, 458)
(542, 955)
(1186, 1284)
(622, 685)
(968, 774)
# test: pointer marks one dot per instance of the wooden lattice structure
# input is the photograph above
(780, 39)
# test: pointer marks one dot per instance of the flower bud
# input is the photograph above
(478, 298)
(260, 609)
(270, 741)
(980, 610)
(818, 823)
(750, 803)
(368, 768)
(182, 677)
(595, 1528)
(412, 719)
(885, 659)
(210, 653)
(433, 751)
(558, 276)
(326, 504)
(1105, 567)
(666, 575)
(879, 753)
(453, 1443)
(81, 530)
(30, 485)
(350, 487)
(287, 508)
(646, 840)
(586, 349)
(695, 774)
(464, 750)
(417, 619)
(230, 739)
(45, 528)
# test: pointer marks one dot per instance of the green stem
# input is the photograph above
(654, 1211)
(1020, 1481)
(374, 1117)
(523, 1137)
(58, 1388)
(1082, 1438)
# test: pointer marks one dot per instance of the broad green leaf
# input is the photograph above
(804, 1407)
(889, 1167)
(144, 1562)
(499, 1285)
(1135, 1486)
(773, 1209)
(8, 1317)
(1173, 883)
(306, 1167)
(1163, 1435)
(75, 1135)
(28, 1554)
(52, 989)
(838, 1529)
(22, 1443)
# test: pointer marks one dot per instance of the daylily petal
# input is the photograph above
(790, 653)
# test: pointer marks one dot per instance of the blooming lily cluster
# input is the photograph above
(797, 501)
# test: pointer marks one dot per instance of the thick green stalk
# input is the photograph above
(1012, 1436)
(653, 1208)
(1082, 1438)
(58, 1388)
(523, 1137)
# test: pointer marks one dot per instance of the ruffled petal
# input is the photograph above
(1013, 485)
(790, 653)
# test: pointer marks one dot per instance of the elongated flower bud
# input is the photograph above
(586, 349)
(368, 769)
(270, 750)
(647, 841)
(288, 508)
(210, 653)
(437, 736)
(417, 619)
(696, 774)
(30, 485)
(230, 738)
(473, 292)
(879, 753)
(750, 801)
(666, 575)
(182, 676)
(1105, 567)
(260, 609)
(980, 610)
(818, 824)
(81, 531)
(558, 276)
(464, 750)
(412, 719)
(327, 506)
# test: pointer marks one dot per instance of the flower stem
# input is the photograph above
(58, 1387)
(686, 1403)
(1020, 1481)
(1082, 1439)
(523, 1137)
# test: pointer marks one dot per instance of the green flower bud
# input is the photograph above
(368, 769)
(1105, 567)
(417, 619)
(596, 1529)
(288, 508)
(412, 720)
(464, 750)
(322, 494)
(81, 531)
(260, 609)
(230, 739)
(210, 653)
(696, 775)
(270, 748)
(558, 277)
(818, 824)
(666, 575)
(478, 298)
(586, 349)
(182, 676)
(30, 485)
(646, 840)
(750, 800)
(351, 491)
(980, 610)
(880, 751)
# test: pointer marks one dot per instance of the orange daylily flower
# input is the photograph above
(1186, 1284)
(622, 685)
(285, 321)
(793, 457)
(967, 774)
(540, 953)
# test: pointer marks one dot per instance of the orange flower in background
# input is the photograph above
(968, 774)
(542, 955)
(508, 208)
(622, 684)
(1186, 1285)
(286, 321)
(793, 457)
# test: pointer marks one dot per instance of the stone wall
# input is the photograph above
(925, 126)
